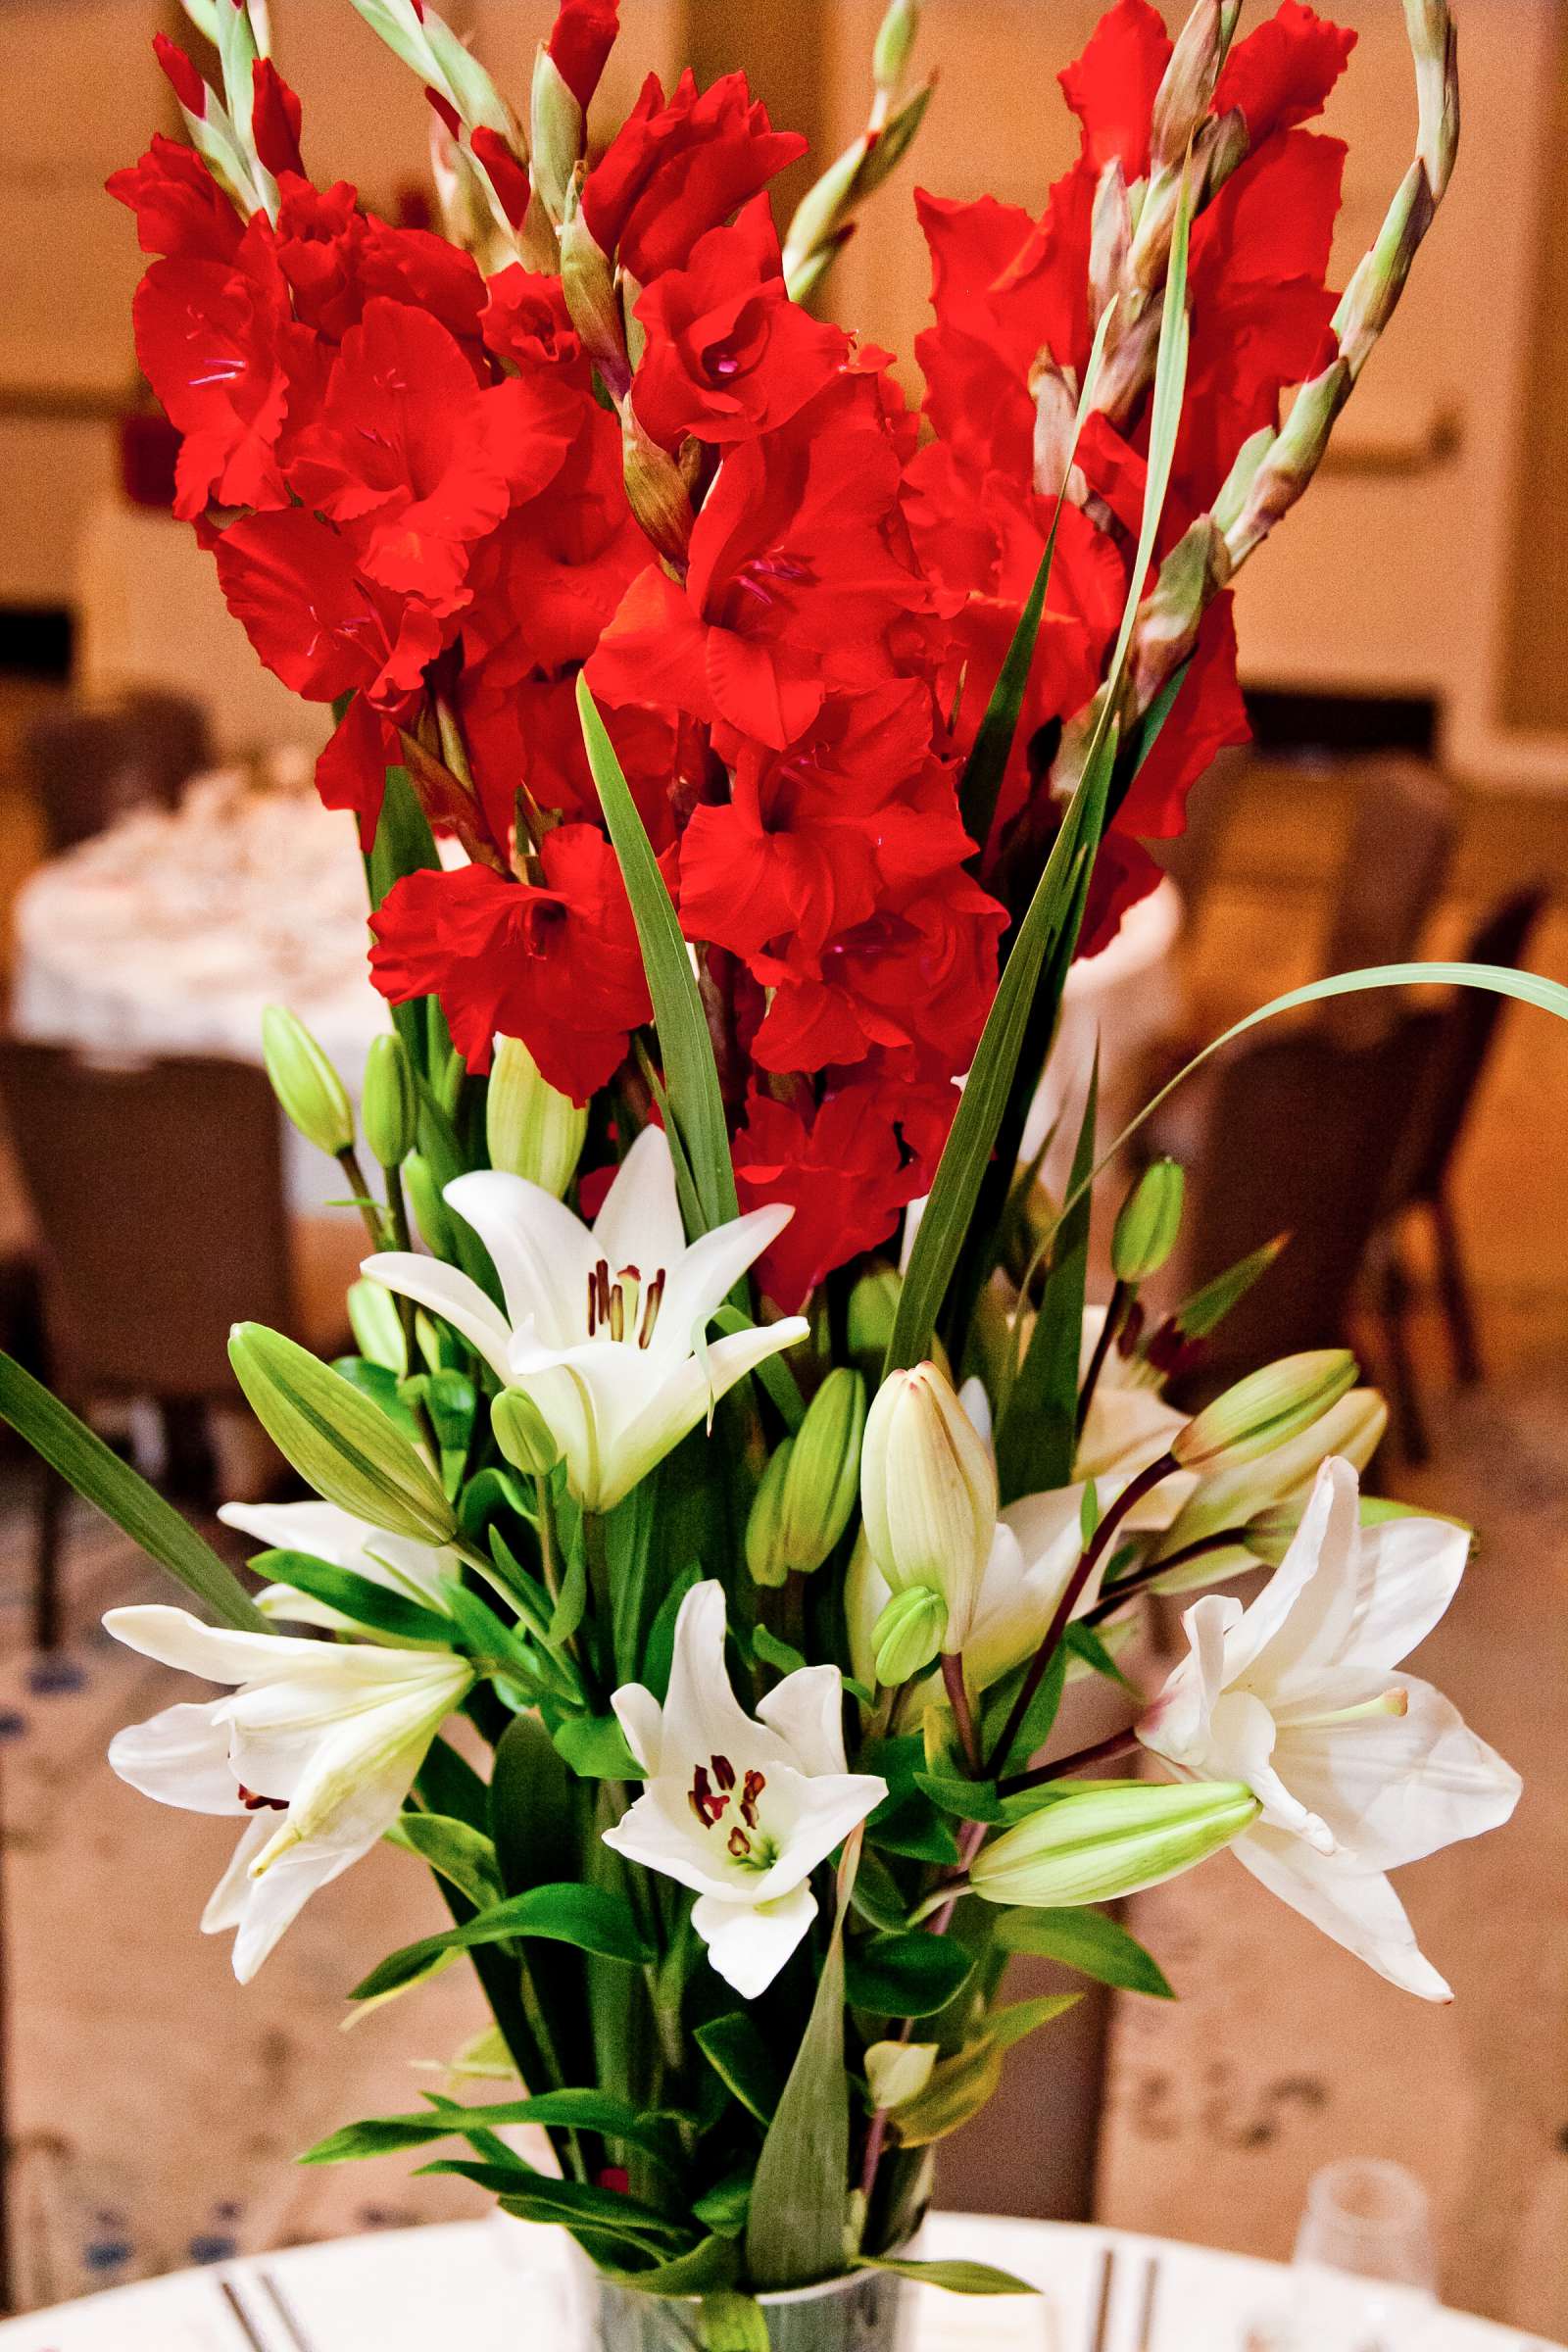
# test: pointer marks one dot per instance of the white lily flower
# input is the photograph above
(418, 1572)
(604, 1325)
(1359, 1768)
(739, 1809)
(320, 1741)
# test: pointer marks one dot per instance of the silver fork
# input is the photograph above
(288, 2317)
(228, 2294)
(1149, 2290)
(1099, 2325)
(1146, 2303)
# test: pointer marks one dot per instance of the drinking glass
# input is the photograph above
(1371, 2220)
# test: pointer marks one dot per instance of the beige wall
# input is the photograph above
(1536, 674)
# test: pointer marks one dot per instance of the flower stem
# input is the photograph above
(1153, 1570)
(962, 1713)
(1115, 1316)
(1103, 1752)
(1094, 1553)
(348, 1159)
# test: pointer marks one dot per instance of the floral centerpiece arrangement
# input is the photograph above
(730, 1476)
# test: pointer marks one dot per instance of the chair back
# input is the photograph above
(1191, 858)
(90, 764)
(1302, 1137)
(1467, 1033)
(1401, 837)
(156, 1191)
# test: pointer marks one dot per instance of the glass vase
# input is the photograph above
(870, 2311)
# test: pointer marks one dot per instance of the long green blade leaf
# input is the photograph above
(404, 845)
(795, 2226)
(1037, 1431)
(137, 1510)
(691, 1077)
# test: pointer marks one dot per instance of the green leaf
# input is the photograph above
(138, 1510)
(960, 2086)
(555, 2110)
(732, 2322)
(705, 2269)
(906, 1975)
(912, 1830)
(985, 766)
(1037, 1434)
(537, 1816)
(691, 1077)
(773, 1372)
(766, 1646)
(723, 2207)
(795, 2232)
(383, 1388)
(461, 1854)
(1085, 1643)
(533, 2197)
(358, 1596)
(1206, 1309)
(1087, 1941)
(590, 1917)
(568, 1613)
(404, 844)
(595, 1747)
(957, 2277)
(966, 1800)
(744, 2062)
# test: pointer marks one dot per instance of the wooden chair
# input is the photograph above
(156, 1191)
(90, 763)
(1465, 1035)
(1401, 837)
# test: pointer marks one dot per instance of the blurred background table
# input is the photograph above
(482, 2287)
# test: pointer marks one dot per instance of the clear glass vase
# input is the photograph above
(871, 2310)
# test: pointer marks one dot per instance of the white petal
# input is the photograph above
(703, 1717)
(320, 1529)
(820, 1811)
(286, 1606)
(1304, 1613)
(640, 1222)
(806, 1709)
(977, 1409)
(1395, 1787)
(1355, 1905)
(705, 1274)
(641, 1719)
(175, 1638)
(749, 1944)
(1241, 1747)
(450, 1293)
(683, 1399)
(1177, 1723)
(275, 1900)
(1124, 1431)
(181, 1758)
(1410, 1571)
(543, 1255)
(653, 1832)
(227, 1904)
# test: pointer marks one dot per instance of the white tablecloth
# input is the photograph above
(172, 932)
(498, 2286)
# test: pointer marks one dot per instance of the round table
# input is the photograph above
(172, 931)
(498, 2286)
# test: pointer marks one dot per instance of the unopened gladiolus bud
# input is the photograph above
(391, 1109)
(309, 1089)
(523, 1434)
(1100, 1843)
(589, 288)
(1149, 1222)
(822, 1473)
(339, 1442)
(655, 490)
(1265, 1408)
(873, 1310)
(895, 41)
(554, 133)
(928, 1492)
(430, 1212)
(764, 1548)
(896, 2071)
(909, 1635)
(531, 1128)
(1183, 98)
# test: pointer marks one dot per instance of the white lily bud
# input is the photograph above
(1231, 1496)
(928, 1492)
(1100, 1843)
(308, 1088)
(339, 1442)
(909, 1635)
(531, 1128)
(1266, 1407)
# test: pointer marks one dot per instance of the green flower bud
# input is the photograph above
(928, 1492)
(339, 1442)
(1265, 1408)
(909, 1633)
(310, 1090)
(1149, 1222)
(873, 1309)
(764, 1548)
(589, 289)
(376, 1325)
(655, 490)
(1099, 1844)
(894, 40)
(822, 1472)
(523, 1434)
(1236, 1492)
(896, 2071)
(531, 1128)
(430, 1212)
(555, 130)
(390, 1107)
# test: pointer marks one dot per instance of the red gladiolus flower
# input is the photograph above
(1209, 713)
(506, 176)
(217, 345)
(336, 258)
(527, 737)
(1111, 87)
(181, 210)
(1283, 72)
(677, 168)
(580, 41)
(842, 1170)
(800, 573)
(415, 459)
(314, 620)
(557, 964)
(527, 320)
(351, 769)
(729, 356)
